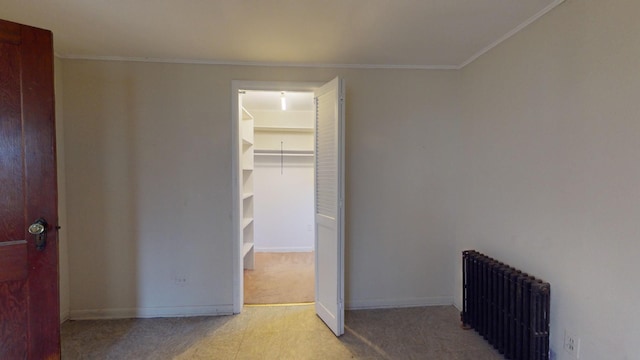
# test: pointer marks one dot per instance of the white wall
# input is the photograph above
(284, 192)
(279, 118)
(283, 204)
(550, 178)
(149, 185)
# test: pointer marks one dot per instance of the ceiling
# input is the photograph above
(352, 33)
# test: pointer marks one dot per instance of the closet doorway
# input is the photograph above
(278, 200)
(328, 189)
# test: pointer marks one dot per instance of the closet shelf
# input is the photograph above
(246, 115)
(247, 195)
(283, 152)
(247, 136)
(246, 247)
(283, 129)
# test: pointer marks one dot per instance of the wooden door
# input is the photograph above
(329, 205)
(29, 300)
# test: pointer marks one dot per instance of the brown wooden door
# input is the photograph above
(29, 301)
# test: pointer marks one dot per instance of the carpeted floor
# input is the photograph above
(283, 333)
(280, 278)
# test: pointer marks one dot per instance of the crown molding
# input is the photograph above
(516, 30)
(256, 63)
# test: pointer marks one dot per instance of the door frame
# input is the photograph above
(236, 86)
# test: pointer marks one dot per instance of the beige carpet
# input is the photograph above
(280, 278)
(282, 333)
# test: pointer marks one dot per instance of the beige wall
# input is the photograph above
(63, 264)
(550, 168)
(149, 185)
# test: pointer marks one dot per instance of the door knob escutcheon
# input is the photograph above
(39, 230)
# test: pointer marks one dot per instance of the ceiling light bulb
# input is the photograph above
(283, 101)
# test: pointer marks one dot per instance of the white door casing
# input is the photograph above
(236, 164)
(329, 204)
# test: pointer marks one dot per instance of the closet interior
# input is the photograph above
(277, 196)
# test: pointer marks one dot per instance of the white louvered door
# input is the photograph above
(329, 205)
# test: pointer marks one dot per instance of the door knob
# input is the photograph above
(39, 230)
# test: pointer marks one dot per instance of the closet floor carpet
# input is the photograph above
(280, 278)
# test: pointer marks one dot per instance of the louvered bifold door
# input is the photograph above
(329, 213)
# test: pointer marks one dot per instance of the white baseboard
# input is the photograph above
(284, 249)
(398, 303)
(457, 306)
(127, 313)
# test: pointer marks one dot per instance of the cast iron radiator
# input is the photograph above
(509, 308)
